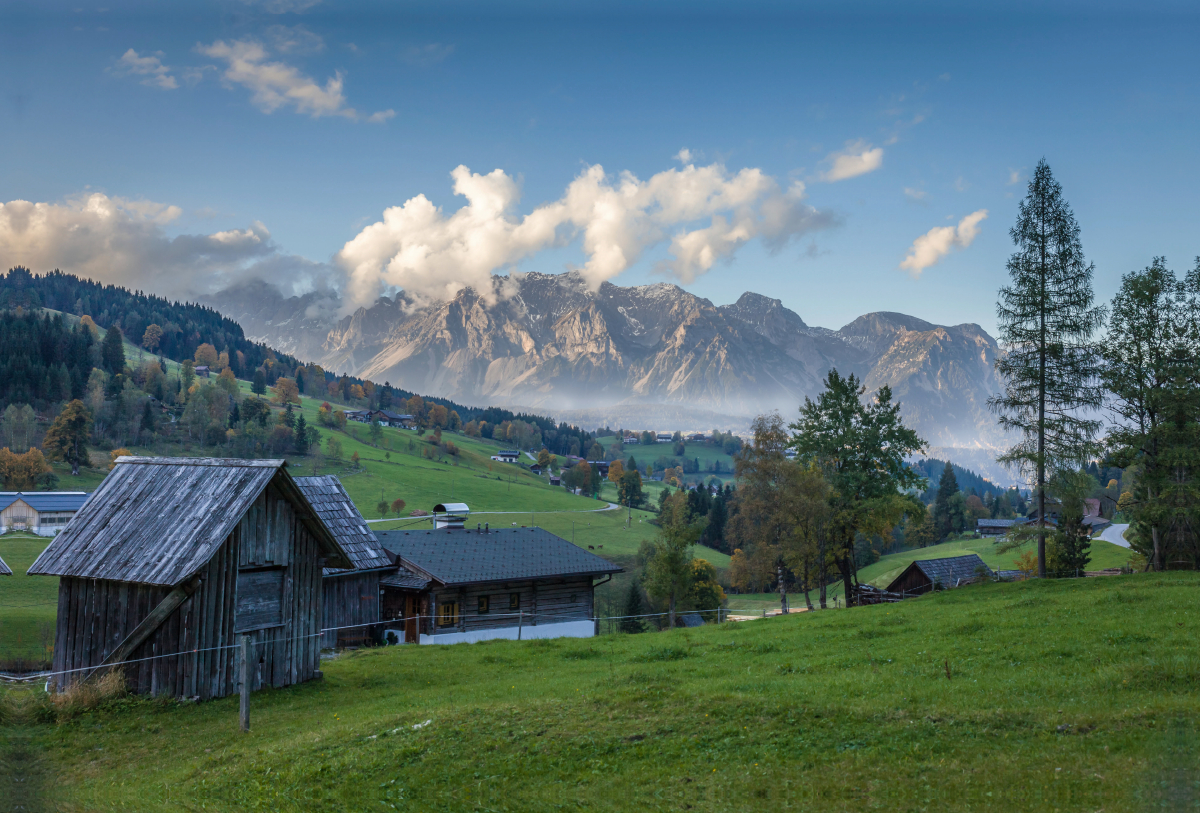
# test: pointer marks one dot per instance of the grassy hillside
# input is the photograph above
(881, 573)
(27, 603)
(1051, 695)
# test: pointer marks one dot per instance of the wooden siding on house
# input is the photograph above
(542, 602)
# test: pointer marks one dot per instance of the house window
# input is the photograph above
(447, 614)
(483, 604)
(514, 601)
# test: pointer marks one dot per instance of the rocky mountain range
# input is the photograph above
(545, 341)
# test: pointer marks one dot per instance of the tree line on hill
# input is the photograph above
(70, 375)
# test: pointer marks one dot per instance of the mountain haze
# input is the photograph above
(546, 341)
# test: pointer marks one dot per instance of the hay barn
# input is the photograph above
(173, 559)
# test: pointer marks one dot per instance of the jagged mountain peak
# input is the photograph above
(549, 341)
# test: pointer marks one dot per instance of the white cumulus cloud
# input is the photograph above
(122, 241)
(856, 158)
(150, 68)
(933, 245)
(702, 213)
(274, 84)
(295, 39)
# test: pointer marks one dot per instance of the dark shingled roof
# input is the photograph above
(405, 578)
(158, 520)
(4, 569)
(467, 556)
(997, 523)
(947, 572)
(333, 505)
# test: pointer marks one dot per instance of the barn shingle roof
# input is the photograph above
(465, 556)
(157, 520)
(333, 505)
(949, 571)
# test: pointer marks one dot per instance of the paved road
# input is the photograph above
(1115, 534)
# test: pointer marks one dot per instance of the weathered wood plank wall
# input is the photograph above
(349, 599)
(192, 654)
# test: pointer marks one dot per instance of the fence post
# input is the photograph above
(520, 622)
(244, 688)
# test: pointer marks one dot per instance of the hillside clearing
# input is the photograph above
(1071, 695)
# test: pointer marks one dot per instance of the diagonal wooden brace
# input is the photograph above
(152, 622)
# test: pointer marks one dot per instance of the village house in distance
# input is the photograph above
(44, 513)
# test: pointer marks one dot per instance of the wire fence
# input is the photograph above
(522, 618)
(603, 624)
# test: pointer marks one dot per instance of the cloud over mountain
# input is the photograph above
(703, 214)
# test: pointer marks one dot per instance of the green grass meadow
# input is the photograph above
(28, 604)
(881, 573)
(1056, 695)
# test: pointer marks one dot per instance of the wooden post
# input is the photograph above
(520, 619)
(244, 688)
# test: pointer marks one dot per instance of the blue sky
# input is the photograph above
(184, 146)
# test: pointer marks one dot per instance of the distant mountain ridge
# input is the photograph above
(546, 341)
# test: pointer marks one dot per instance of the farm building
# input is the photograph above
(387, 418)
(924, 575)
(171, 560)
(458, 584)
(44, 513)
(996, 527)
(350, 595)
(506, 456)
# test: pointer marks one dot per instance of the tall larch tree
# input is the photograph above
(1047, 318)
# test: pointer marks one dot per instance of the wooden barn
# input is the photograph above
(351, 595)
(924, 575)
(460, 585)
(173, 559)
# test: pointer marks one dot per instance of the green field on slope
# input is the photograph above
(881, 573)
(1071, 695)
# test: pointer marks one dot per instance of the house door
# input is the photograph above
(412, 607)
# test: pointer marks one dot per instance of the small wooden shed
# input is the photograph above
(351, 595)
(924, 575)
(173, 559)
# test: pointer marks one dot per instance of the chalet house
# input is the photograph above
(924, 575)
(457, 585)
(359, 415)
(44, 513)
(663, 437)
(395, 419)
(202, 371)
(698, 437)
(350, 596)
(507, 456)
(996, 527)
(172, 560)
(555, 480)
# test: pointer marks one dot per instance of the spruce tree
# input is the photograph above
(112, 351)
(301, 435)
(1047, 318)
(947, 488)
(633, 608)
(259, 385)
